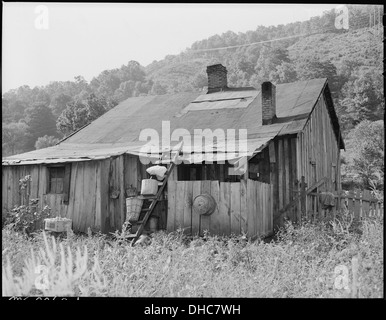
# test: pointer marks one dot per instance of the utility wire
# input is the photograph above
(253, 43)
(365, 25)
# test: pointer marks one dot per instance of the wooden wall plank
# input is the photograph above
(235, 208)
(122, 194)
(90, 203)
(131, 172)
(187, 210)
(293, 175)
(263, 208)
(172, 186)
(117, 202)
(98, 196)
(84, 203)
(83, 183)
(287, 158)
(243, 206)
(267, 210)
(195, 216)
(4, 188)
(224, 218)
(180, 203)
(105, 185)
(43, 176)
(259, 209)
(275, 181)
(71, 198)
(79, 202)
(215, 218)
(205, 220)
(281, 173)
(34, 172)
(251, 207)
(111, 182)
(271, 201)
(15, 186)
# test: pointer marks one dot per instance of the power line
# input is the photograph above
(363, 23)
(253, 43)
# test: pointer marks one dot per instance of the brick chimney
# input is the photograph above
(217, 78)
(268, 94)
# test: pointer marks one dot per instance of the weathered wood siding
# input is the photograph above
(12, 196)
(120, 173)
(319, 151)
(90, 201)
(277, 165)
(83, 203)
(312, 153)
(244, 206)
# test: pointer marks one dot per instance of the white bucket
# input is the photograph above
(149, 187)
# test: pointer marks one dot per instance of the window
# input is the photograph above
(59, 181)
(56, 179)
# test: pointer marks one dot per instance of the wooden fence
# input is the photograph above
(306, 203)
(361, 203)
(241, 207)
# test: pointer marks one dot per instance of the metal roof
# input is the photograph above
(118, 130)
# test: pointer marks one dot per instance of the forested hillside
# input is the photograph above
(351, 60)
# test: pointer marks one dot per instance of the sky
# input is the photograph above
(45, 42)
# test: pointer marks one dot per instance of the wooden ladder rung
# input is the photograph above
(147, 197)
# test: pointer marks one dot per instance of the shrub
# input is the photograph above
(26, 218)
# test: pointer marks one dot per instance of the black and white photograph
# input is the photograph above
(192, 151)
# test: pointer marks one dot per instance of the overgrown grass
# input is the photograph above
(301, 262)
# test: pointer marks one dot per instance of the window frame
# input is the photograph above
(65, 180)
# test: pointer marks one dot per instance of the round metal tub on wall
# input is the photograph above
(204, 204)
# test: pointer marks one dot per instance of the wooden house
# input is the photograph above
(286, 132)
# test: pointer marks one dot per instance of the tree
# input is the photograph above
(200, 80)
(362, 97)
(125, 90)
(79, 113)
(40, 121)
(13, 136)
(59, 103)
(158, 88)
(72, 118)
(14, 110)
(269, 60)
(132, 71)
(365, 159)
(45, 142)
(312, 68)
(284, 73)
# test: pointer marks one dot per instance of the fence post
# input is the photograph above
(365, 203)
(357, 205)
(351, 201)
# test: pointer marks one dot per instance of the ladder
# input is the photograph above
(154, 199)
